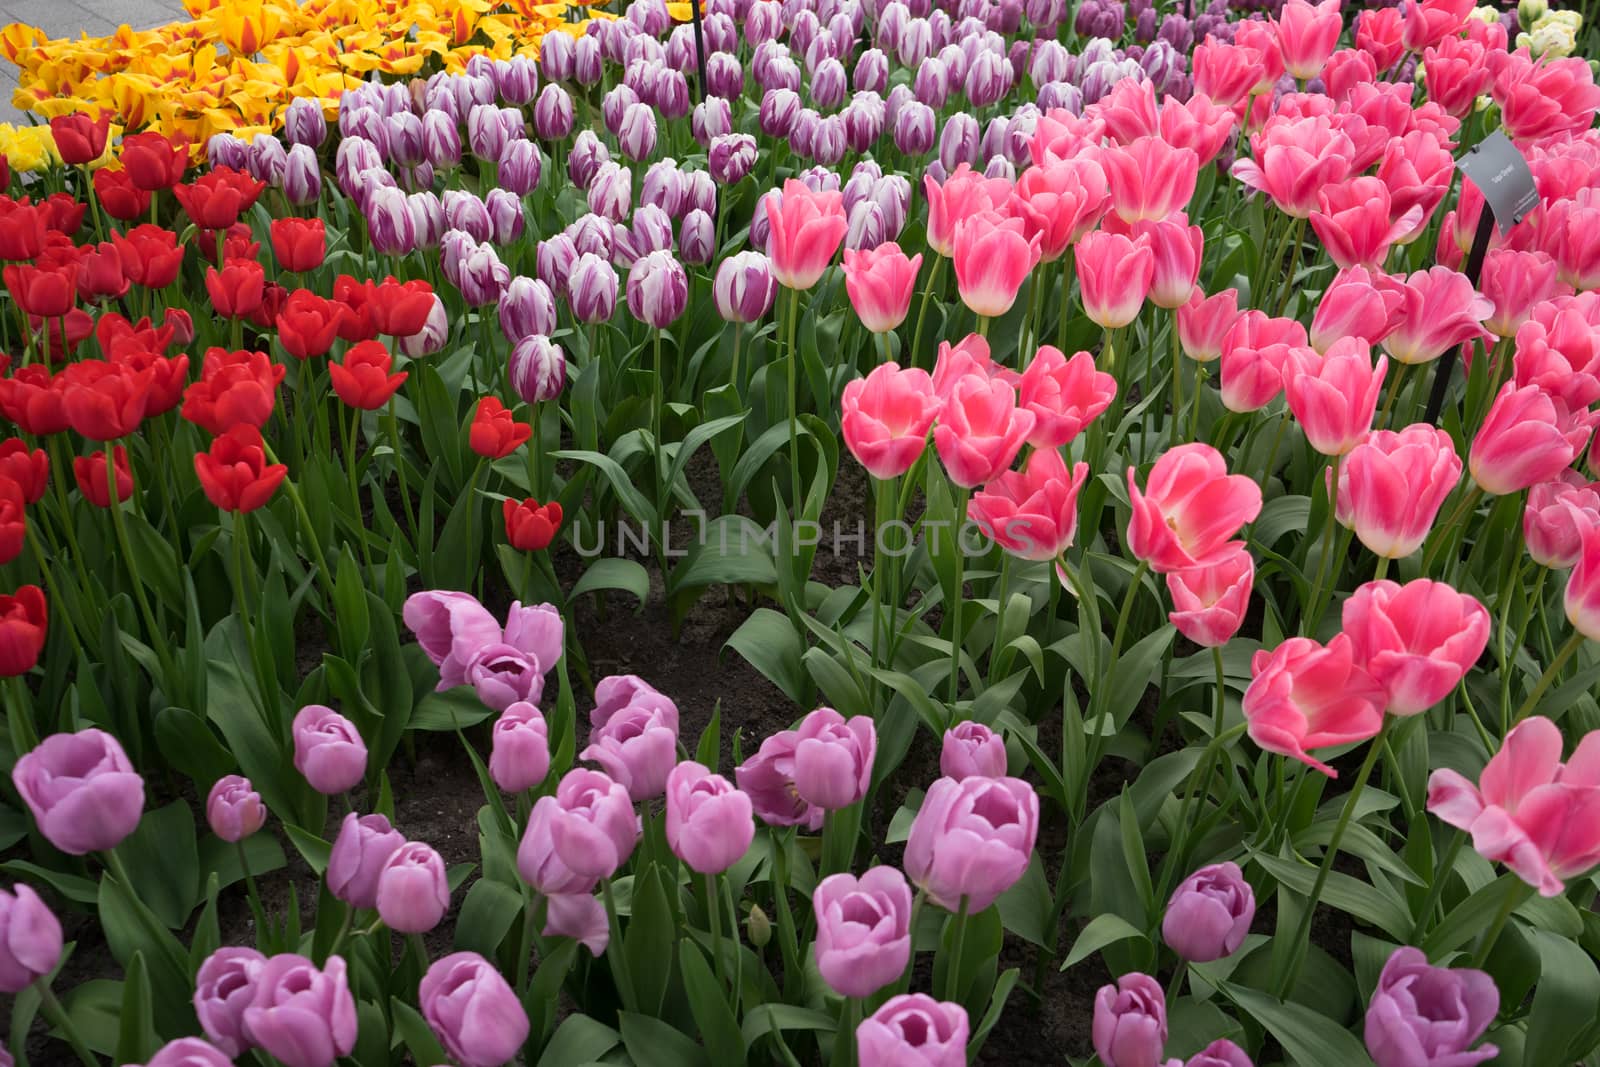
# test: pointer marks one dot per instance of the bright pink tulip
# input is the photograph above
(1355, 224)
(1189, 509)
(1115, 273)
(1527, 437)
(970, 748)
(1203, 321)
(1418, 169)
(709, 822)
(1304, 696)
(833, 758)
(1558, 513)
(1455, 74)
(1583, 587)
(1032, 513)
(992, 259)
(1307, 35)
(1347, 68)
(885, 418)
(1060, 202)
(980, 430)
(1228, 73)
(1334, 397)
(1378, 34)
(1149, 179)
(1209, 601)
(1545, 97)
(965, 193)
(1254, 351)
(1064, 395)
(1392, 485)
(967, 357)
(972, 839)
(1292, 159)
(1558, 349)
(806, 230)
(1427, 22)
(1357, 303)
(1417, 640)
(1515, 282)
(1530, 811)
(1129, 110)
(863, 930)
(1439, 309)
(879, 283)
(1177, 248)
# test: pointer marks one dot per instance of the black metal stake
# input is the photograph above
(1447, 362)
(699, 47)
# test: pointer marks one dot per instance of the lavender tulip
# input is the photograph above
(1421, 1014)
(223, 988)
(914, 1029)
(1220, 1053)
(744, 288)
(588, 828)
(1000, 816)
(1130, 1022)
(699, 192)
(731, 158)
(390, 227)
(587, 64)
(303, 123)
(303, 1015)
(1209, 914)
(552, 113)
(328, 749)
(466, 212)
(588, 155)
(972, 749)
(30, 938)
(519, 167)
(520, 754)
(81, 789)
(779, 112)
(651, 231)
(471, 1009)
(712, 118)
(233, 809)
(709, 822)
(670, 94)
(516, 79)
(526, 307)
(658, 289)
(866, 227)
(413, 894)
(302, 176)
(863, 930)
(829, 142)
(506, 219)
(663, 187)
(556, 57)
(872, 71)
(592, 289)
(724, 76)
(553, 259)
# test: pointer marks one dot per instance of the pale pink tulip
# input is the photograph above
(1392, 485)
(880, 283)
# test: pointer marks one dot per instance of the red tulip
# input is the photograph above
(121, 199)
(63, 213)
(152, 161)
(355, 298)
(216, 199)
(181, 325)
(400, 309)
(40, 291)
(13, 520)
(530, 525)
(363, 379)
(104, 401)
(22, 229)
(23, 622)
(299, 244)
(308, 324)
(150, 255)
(30, 470)
(169, 376)
(238, 243)
(495, 434)
(79, 138)
(30, 399)
(238, 289)
(90, 471)
(234, 388)
(100, 274)
(113, 333)
(235, 474)
(60, 338)
(273, 299)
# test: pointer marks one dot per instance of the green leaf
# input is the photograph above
(649, 940)
(1468, 919)
(719, 1030)
(95, 1008)
(137, 1040)
(1102, 930)
(74, 888)
(1026, 908)
(632, 500)
(997, 1007)
(188, 744)
(449, 710)
(1350, 895)
(1308, 1039)
(1133, 851)
(544, 991)
(163, 860)
(1563, 1002)
(413, 1030)
(710, 746)
(486, 915)
(768, 642)
(614, 573)
(579, 1039)
(763, 1019)
(651, 1041)
(131, 928)
(313, 849)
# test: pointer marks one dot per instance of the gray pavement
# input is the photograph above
(70, 18)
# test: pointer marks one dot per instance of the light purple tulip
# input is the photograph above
(699, 192)
(663, 187)
(914, 1030)
(636, 132)
(303, 123)
(768, 778)
(302, 176)
(615, 104)
(328, 749)
(697, 238)
(863, 930)
(359, 854)
(633, 735)
(1220, 1053)
(517, 79)
(973, 839)
(829, 85)
(520, 168)
(658, 289)
(413, 894)
(83, 792)
(226, 150)
(304, 1016)
(526, 307)
(833, 758)
(651, 231)
(556, 56)
(1426, 1016)
(587, 64)
(872, 71)
(268, 158)
(970, 749)
(554, 258)
(470, 1007)
(506, 220)
(224, 987)
(712, 118)
(552, 113)
(537, 370)
(724, 76)
(1130, 1022)
(188, 1052)
(710, 823)
(779, 112)
(234, 809)
(731, 158)
(592, 235)
(611, 192)
(465, 211)
(583, 833)
(592, 289)
(1209, 914)
(441, 140)
(30, 939)
(519, 757)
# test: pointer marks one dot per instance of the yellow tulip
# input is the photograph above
(247, 25)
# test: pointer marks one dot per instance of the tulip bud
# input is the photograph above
(527, 307)
(592, 289)
(302, 176)
(658, 289)
(611, 192)
(466, 212)
(390, 227)
(520, 167)
(226, 150)
(268, 158)
(699, 192)
(636, 132)
(505, 215)
(744, 288)
(402, 139)
(914, 129)
(516, 79)
(328, 749)
(554, 259)
(731, 158)
(872, 71)
(829, 143)
(552, 113)
(233, 809)
(593, 234)
(441, 140)
(663, 187)
(413, 892)
(537, 369)
(485, 133)
(958, 141)
(303, 123)
(589, 154)
(587, 64)
(1531, 11)
(758, 928)
(697, 238)
(431, 338)
(427, 216)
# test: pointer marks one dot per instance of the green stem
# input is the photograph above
(1066, 299)
(738, 960)
(787, 941)
(794, 424)
(1516, 892)
(530, 927)
(614, 954)
(953, 611)
(57, 1016)
(393, 426)
(259, 912)
(922, 311)
(1000, 615)
(324, 579)
(1177, 386)
(952, 974)
(1548, 677)
(714, 920)
(1441, 875)
(1381, 569)
(844, 1038)
(158, 640)
(1328, 537)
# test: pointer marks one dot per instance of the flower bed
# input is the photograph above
(444, 624)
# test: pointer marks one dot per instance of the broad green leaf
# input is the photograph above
(1102, 930)
(1564, 1001)
(162, 859)
(649, 940)
(614, 573)
(411, 1028)
(719, 1030)
(137, 1040)
(1308, 1039)
(651, 1041)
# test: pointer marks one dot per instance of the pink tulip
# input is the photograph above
(1559, 351)
(1189, 509)
(519, 756)
(413, 893)
(970, 748)
(1528, 437)
(980, 431)
(1439, 309)
(914, 1030)
(1254, 352)
(1455, 74)
(82, 790)
(1061, 135)
(1060, 202)
(992, 259)
(1417, 640)
(1229, 73)
(885, 418)
(1292, 159)
(1198, 123)
(1209, 601)
(972, 839)
(833, 758)
(1203, 321)
(1418, 169)
(1307, 35)
(233, 809)
(1421, 1014)
(1064, 395)
(1558, 513)
(1515, 282)
(223, 988)
(451, 628)
(1357, 303)
(328, 749)
(1209, 914)
(1114, 273)
(1354, 222)
(1304, 696)
(633, 735)
(1392, 485)
(184, 1052)
(879, 283)
(581, 917)
(964, 193)
(1583, 587)
(304, 1016)
(1334, 397)
(1177, 249)
(1427, 22)
(768, 779)
(1545, 97)
(583, 833)
(30, 938)
(1149, 178)
(863, 930)
(1130, 1022)
(968, 357)
(709, 822)
(806, 228)
(359, 855)
(1032, 513)
(473, 1010)
(1530, 811)
(1129, 110)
